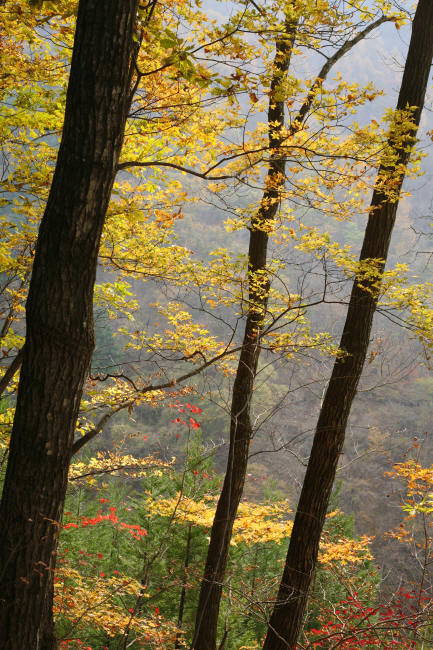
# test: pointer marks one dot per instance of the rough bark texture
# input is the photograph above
(286, 620)
(59, 340)
(240, 426)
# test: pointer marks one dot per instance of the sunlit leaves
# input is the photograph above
(115, 464)
(103, 603)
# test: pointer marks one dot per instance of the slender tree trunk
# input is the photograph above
(178, 642)
(59, 340)
(240, 425)
(286, 620)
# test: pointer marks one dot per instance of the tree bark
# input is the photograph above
(205, 634)
(59, 312)
(286, 620)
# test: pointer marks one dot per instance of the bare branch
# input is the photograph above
(11, 371)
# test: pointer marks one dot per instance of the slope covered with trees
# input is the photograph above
(175, 135)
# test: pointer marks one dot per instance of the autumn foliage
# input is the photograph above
(173, 292)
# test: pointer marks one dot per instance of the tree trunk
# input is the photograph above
(286, 620)
(59, 340)
(240, 426)
(178, 641)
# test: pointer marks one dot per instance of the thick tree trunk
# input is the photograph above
(240, 426)
(59, 340)
(286, 620)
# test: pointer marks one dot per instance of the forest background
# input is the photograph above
(169, 298)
